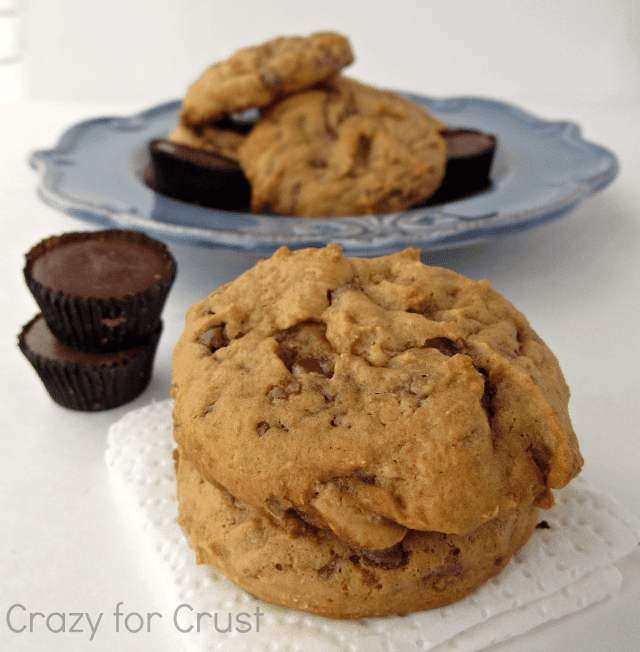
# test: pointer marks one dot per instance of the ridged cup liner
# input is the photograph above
(96, 324)
(203, 178)
(465, 175)
(96, 388)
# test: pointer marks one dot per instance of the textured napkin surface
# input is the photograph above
(563, 568)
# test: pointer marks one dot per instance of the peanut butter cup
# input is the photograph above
(470, 156)
(87, 381)
(197, 176)
(100, 290)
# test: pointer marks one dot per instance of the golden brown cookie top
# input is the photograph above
(343, 148)
(371, 395)
(255, 76)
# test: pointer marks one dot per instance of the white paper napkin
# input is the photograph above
(562, 569)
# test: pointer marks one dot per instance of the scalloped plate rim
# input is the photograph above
(442, 227)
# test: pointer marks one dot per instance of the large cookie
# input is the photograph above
(371, 396)
(343, 148)
(258, 75)
(312, 570)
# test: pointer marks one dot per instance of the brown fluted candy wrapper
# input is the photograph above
(108, 295)
(197, 176)
(84, 381)
(470, 155)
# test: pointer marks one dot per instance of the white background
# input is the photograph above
(148, 50)
(62, 547)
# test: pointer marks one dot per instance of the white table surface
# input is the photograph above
(63, 548)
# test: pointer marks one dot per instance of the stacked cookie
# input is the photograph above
(363, 437)
(101, 294)
(322, 145)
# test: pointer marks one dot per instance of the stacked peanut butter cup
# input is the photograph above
(101, 295)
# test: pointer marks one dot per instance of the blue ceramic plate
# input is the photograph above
(541, 171)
